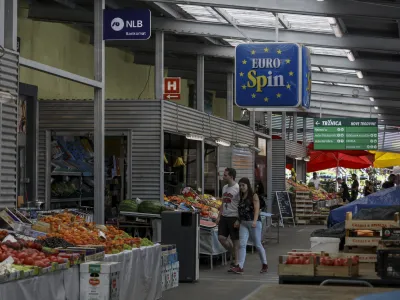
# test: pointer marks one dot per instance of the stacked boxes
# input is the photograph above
(170, 267)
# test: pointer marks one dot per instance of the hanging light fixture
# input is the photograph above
(222, 142)
(242, 145)
(195, 137)
(255, 149)
(307, 158)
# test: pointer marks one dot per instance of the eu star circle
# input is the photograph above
(117, 24)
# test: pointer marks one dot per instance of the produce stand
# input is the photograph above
(40, 260)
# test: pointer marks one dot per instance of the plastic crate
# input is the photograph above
(388, 264)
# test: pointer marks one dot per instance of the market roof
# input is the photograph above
(355, 44)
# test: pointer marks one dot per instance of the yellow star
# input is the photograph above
(244, 61)
(243, 87)
(288, 86)
(241, 74)
(279, 51)
(291, 73)
(266, 50)
(253, 52)
(266, 99)
(288, 61)
(253, 96)
(278, 95)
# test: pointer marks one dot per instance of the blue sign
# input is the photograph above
(272, 75)
(127, 24)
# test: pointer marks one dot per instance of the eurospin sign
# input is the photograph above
(126, 24)
(272, 76)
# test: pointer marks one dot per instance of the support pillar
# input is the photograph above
(269, 163)
(159, 91)
(99, 108)
(2, 22)
(10, 24)
(253, 120)
(229, 97)
(200, 107)
(304, 131)
(159, 66)
(283, 125)
(295, 127)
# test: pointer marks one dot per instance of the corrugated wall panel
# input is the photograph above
(278, 166)
(294, 149)
(141, 117)
(9, 72)
(243, 162)
(8, 150)
(224, 157)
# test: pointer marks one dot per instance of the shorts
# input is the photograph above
(226, 228)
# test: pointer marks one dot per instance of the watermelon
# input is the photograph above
(151, 207)
(128, 205)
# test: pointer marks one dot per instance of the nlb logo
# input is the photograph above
(117, 24)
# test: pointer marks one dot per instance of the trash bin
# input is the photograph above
(183, 230)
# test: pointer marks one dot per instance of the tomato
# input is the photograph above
(296, 261)
(28, 261)
(345, 261)
(337, 262)
(307, 262)
(289, 260)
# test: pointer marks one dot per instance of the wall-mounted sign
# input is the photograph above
(172, 88)
(127, 24)
(345, 134)
(272, 76)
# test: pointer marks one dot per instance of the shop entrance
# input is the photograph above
(71, 164)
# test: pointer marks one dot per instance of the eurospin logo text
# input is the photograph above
(117, 24)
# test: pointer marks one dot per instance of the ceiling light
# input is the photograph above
(360, 74)
(372, 99)
(379, 115)
(195, 137)
(335, 27)
(298, 158)
(351, 57)
(241, 145)
(222, 142)
(307, 158)
(376, 107)
(366, 88)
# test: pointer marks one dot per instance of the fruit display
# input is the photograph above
(68, 228)
(128, 205)
(315, 195)
(301, 259)
(328, 261)
(54, 242)
(151, 207)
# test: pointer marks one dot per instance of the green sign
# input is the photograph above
(345, 134)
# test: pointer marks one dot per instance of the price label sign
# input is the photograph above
(345, 134)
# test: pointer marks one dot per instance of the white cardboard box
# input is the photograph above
(99, 280)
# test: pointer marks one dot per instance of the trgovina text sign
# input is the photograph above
(345, 134)
(270, 76)
(126, 24)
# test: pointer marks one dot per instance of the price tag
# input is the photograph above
(10, 238)
(102, 235)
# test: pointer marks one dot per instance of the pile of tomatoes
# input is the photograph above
(29, 257)
(329, 261)
(301, 259)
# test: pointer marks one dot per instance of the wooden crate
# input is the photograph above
(363, 257)
(369, 224)
(362, 241)
(295, 270)
(338, 271)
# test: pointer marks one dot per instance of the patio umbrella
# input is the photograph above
(386, 159)
(322, 160)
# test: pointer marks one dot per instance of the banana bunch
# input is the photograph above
(165, 159)
(179, 162)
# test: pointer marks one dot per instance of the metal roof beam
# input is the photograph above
(229, 52)
(304, 7)
(367, 80)
(197, 28)
(191, 75)
(385, 112)
(330, 89)
(355, 101)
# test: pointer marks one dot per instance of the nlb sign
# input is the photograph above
(270, 76)
(127, 24)
(172, 88)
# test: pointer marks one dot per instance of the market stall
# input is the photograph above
(41, 259)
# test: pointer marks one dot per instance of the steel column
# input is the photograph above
(159, 91)
(200, 107)
(200, 83)
(304, 131)
(252, 119)
(2, 22)
(295, 126)
(159, 65)
(283, 125)
(99, 108)
(10, 24)
(229, 97)
(269, 163)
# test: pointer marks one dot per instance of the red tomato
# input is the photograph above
(307, 262)
(289, 260)
(345, 261)
(296, 261)
(28, 261)
(337, 262)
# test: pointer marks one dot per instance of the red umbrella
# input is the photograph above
(322, 160)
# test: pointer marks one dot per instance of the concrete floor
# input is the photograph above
(218, 284)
